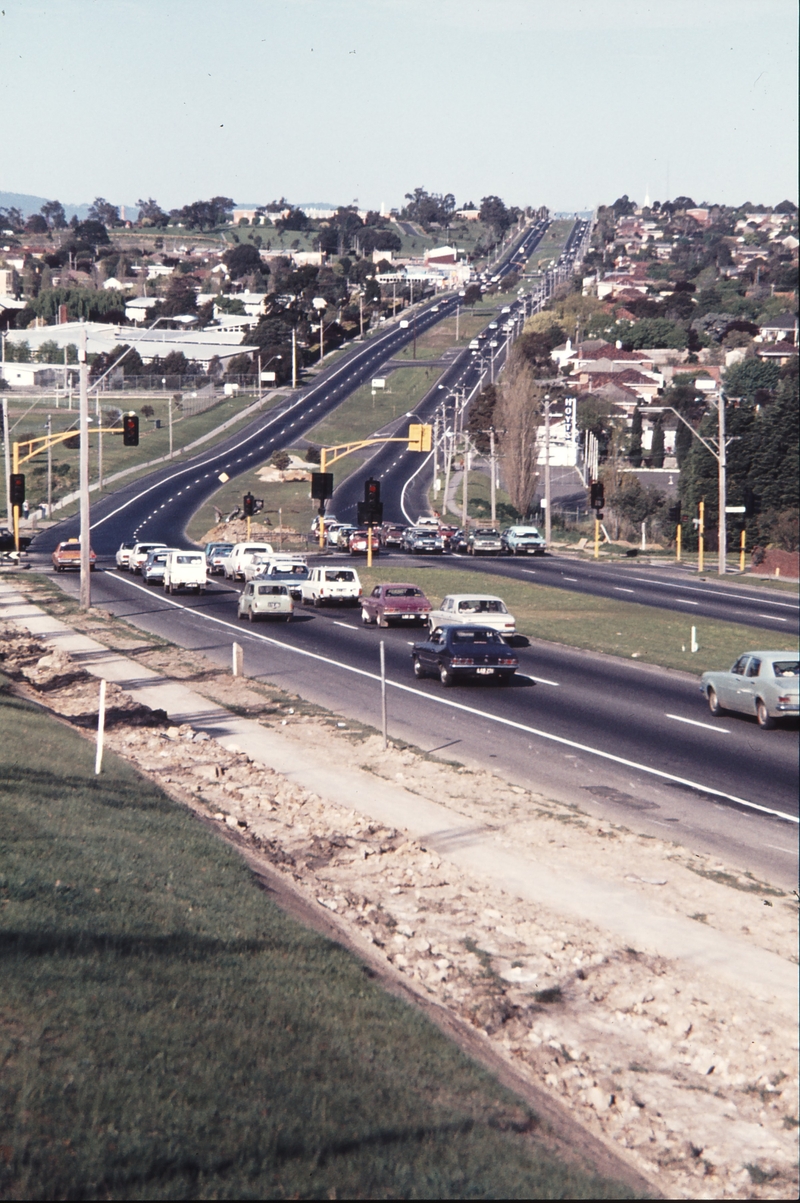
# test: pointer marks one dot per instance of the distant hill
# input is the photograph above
(32, 204)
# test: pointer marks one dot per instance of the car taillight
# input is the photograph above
(461, 661)
(786, 697)
(510, 660)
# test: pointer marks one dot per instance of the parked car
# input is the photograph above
(484, 542)
(155, 565)
(139, 553)
(68, 555)
(216, 560)
(332, 586)
(359, 540)
(235, 562)
(459, 653)
(523, 540)
(185, 570)
(392, 534)
(464, 609)
(764, 684)
(263, 599)
(124, 554)
(421, 540)
(405, 604)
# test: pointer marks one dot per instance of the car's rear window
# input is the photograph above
(189, 559)
(485, 605)
(786, 668)
(410, 592)
(475, 636)
(69, 547)
(343, 575)
(297, 573)
(270, 590)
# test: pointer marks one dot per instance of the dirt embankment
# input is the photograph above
(693, 1081)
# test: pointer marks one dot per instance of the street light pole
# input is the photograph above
(49, 468)
(493, 474)
(722, 465)
(547, 520)
(83, 429)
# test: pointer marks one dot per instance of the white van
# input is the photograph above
(234, 564)
(474, 345)
(331, 586)
(185, 570)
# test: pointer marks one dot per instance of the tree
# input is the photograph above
(92, 232)
(428, 208)
(12, 219)
(657, 449)
(494, 213)
(54, 215)
(151, 213)
(480, 417)
(181, 297)
(36, 224)
(472, 294)
(103, 211)
(517, 416)
(379, 240)
(786, 206)
(635, 440)
(295, 219)
(205, 214)
(242, 260)
(745, 379)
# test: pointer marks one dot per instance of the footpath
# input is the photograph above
(616, 973)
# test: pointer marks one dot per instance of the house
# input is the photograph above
(137, 309)
(28, 375)
(643, 385)
(8, 281)
(468, 214)
(776, 329)
(777, 352)
(441, 255)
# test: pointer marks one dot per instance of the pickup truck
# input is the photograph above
(234, 565)
(331, 586)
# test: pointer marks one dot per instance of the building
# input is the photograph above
(777, 329)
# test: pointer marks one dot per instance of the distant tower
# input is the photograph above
(383, 209)
(646, 204)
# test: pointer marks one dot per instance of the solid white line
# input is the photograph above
(538, 680)
(349, 625)
(774, 617)
(777, 847)
(765, 601)
(572, 579)
(495, 718)
(693, 721)
(619, 589)
(687, 601)
(405, 486)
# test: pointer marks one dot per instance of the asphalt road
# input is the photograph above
(631, 742)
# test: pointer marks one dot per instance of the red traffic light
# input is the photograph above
(130, 430)
(597, 497)
(16, 485)
(249, 505)
(372, 491)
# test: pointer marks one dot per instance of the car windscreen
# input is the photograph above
(473, 637)
(410, 592)
(255, 551)
(786, 668)
(270, 590)
(157, 557)
(526, 532)
(345, 576)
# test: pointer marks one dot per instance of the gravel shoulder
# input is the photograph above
(617, 980)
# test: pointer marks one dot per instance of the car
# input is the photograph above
(506, 309)
(155, 565)
(492, 325)
(218, 545)
(463, 609)
(484, 542)
(401, 603)
(427, 520)
(339, 537)
(763, 684)
(124, 554)
(447, 532)
(420, 540)
(359, 541)
(464, 653)
(474, 345)
(523, 540)
(216, 560)
(291, 576)
(330, 520)
(494, 343)
(331, 586)
(265, 599)
(391, 534)
(434, 309)
(68, 555)
(139, 553)
(457, 542)
(185, 570)
(234, 564)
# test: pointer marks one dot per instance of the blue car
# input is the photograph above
(464, 653)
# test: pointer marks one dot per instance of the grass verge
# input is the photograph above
(168, 1032)
(597, 624)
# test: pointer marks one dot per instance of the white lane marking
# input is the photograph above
(619, 589)
(530, 571)
(777, 847)
(538, 680)
(482, 714)
(764, 601)
(408, 517)
(573, 579)
(774, 617)
(694, 723)
(349, 625)
(686, 601)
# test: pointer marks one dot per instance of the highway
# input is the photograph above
(632, 742)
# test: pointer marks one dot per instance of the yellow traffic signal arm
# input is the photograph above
(36, 446)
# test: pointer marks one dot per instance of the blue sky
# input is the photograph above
(565, 103)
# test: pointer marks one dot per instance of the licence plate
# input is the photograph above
(484, 672)
(273, 605)
(407, 617)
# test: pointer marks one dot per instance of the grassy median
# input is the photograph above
(598, 624)
(167, 1032)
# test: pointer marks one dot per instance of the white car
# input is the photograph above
(124, 554)
(185, 570)
(262, 566)
(466, 609)
(139, 553)
(235, 563)
(260, 599)
(331, 586)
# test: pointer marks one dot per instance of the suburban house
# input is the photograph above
(784, 326)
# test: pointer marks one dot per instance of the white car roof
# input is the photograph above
(472, 597)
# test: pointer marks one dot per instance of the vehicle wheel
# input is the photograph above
(419, 671)
(239, 615)
(251, 615)
(765, 720)
(383, 621)
(288, 618)
(713, 703)
(445, 675)
(365, 619)
(318, 603)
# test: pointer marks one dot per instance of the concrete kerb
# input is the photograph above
(473, 848)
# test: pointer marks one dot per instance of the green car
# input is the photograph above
(764, 684)
(261, 600)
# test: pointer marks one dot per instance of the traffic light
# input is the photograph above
(420, 437)
(249, 505)
(130, 430)
(597, 495)
(674, 513)
(16, 483)
(321, 485)
(370, 510)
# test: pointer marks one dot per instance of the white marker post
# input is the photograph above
(101, 728)
(694, 644)
(237, 660)
(383, 692)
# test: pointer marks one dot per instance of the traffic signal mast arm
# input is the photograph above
(37, 446)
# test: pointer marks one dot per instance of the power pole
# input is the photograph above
(493, 474)
(464, 484)
(49, 468)
(294, 357)
(722, 465)
(83, 434)
(7, 461)
(547, 521)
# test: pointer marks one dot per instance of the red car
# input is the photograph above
(357, 542)
(405, 604)
(68, 555)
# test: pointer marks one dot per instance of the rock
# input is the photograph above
(201, 737)
(597, 1098)
(172, 732)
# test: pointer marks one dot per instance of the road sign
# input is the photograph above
(379, 382)
(735, 509)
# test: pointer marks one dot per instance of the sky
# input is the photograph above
(566, 103)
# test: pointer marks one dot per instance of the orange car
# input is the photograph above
(68, 555)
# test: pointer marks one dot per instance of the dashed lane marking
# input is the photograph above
(678, 718)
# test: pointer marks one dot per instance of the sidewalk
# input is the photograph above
(640, 923)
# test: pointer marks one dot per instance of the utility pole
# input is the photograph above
(83, 434)
(259, 375)
(360, 314)
(169, 413)
(464, 484)
(493, 474)
(49, 468)
(722, 464)
(547, 520)
(294, 357)
(458, 314)
(7, 461)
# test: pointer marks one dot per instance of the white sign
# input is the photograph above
(268, 377)
(379, 382)
(570, 424)
(735, 509)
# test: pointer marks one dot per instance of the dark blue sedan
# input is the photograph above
(456, 653)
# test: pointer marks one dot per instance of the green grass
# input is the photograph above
(551, 245)
(168, 1032)
(597, 624)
